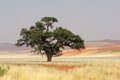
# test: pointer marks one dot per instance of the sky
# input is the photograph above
(91, 19)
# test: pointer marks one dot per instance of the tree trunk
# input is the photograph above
(49, 57)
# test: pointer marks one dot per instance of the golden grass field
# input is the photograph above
(91, 70)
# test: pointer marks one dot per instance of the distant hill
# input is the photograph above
(111, 41)
(98, 47)
(99, 44)
(102, 42)
(12, 48)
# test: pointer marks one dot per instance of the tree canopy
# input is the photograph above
(46, 41)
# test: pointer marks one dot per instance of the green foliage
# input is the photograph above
(48, 22)
(51, 42)
(3, 69)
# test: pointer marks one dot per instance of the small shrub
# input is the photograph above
(3, 69)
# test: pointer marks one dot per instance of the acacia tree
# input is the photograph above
(46, 41)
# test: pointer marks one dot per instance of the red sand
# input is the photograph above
(58, 66)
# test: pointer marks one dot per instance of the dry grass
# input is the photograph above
(90, 71)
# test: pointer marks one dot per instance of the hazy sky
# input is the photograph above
(92, 19)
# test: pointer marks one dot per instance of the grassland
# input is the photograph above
(78, 67)
(88, 70)
(34, 67)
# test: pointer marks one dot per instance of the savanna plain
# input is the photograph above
(95, 63)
